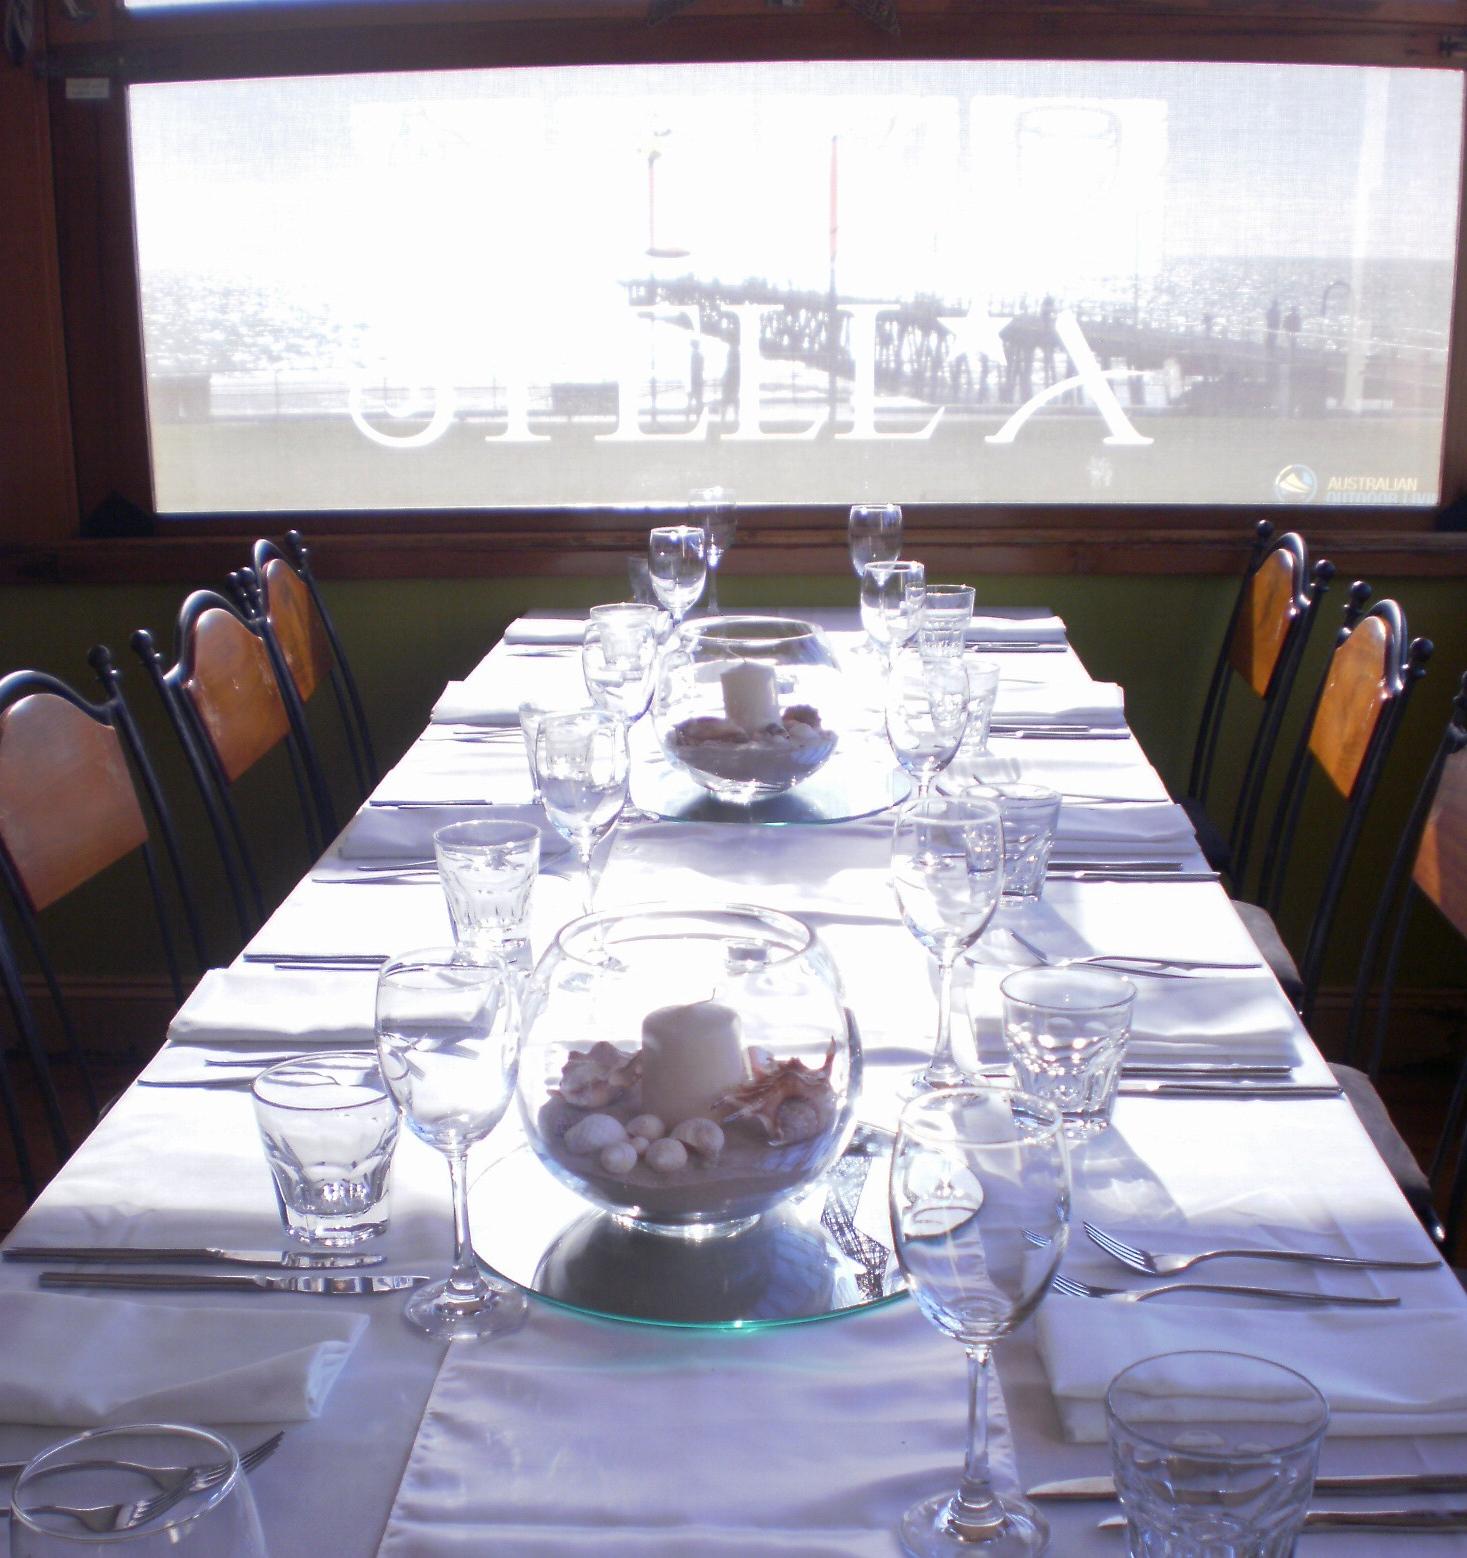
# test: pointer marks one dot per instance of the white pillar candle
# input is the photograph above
(749, 695)
(691, 1057)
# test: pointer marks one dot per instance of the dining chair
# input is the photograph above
(1430, 864)
(231, 701)
(1347, 737)
(1263, 644)
(280, 593)
(73, 777)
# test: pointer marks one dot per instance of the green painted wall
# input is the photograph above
(1156, 636)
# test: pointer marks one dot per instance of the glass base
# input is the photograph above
(440, 1312)
(926, 1080)
(928, 1530)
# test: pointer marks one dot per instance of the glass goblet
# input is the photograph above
(447, 1033)
(874, 532)
(947, 871)
(619, 659)
(926, 714)
(86, 1471)
(677, 564)
(980, 1214)
(712, 510)
(891, 605)
(583, 766)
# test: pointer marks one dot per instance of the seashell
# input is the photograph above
(666, 1156)
(704, 1137)
(619, 1158)
(769, 1100)
(593, 1133)
(802, 714)
(647, 1125)
(710, 727)
(640, 1143)
(593, 1078)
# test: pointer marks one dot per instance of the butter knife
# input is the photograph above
(1366, 1484)
(1358, 1520)
(291, 1260)
(352, 1286)
(1140, 1088)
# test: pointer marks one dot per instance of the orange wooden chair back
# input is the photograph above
(297, 626)
(232, 688)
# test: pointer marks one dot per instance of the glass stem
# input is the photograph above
(943, 1070)
(590, 888)
(712, 601)
(974, 1513)
(465, 1280)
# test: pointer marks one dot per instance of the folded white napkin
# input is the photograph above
(461, 703)
(1083, 703)
(70, 1361)
(389, 833)
(545, 630)
(1391, 1372)
(448, 773)
(253, 1005)
(1041, 628)
(1153, 822)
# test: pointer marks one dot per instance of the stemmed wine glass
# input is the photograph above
(926, 714)
(712, 510)
(947, 871)
(677, 564)
(892, 598)
(875, 534)
(619, 659)
(980, 1214)
(447, 1036)
(583, 766)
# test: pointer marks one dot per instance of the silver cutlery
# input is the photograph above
(1155, 1265)
(317, 959)
(1117, 863)
(355, 1286)
(286, 1260)
(1221, 1070)
(216, 1084)
(1358, 1520)
(465, 800)
(1013, 646)
(1130, 960)
(1077, 1289)
(174, 1484)
(1137, 1087)
(1132, 876)
(1367, 1484)
(1057, 733)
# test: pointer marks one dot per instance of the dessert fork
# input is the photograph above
(1075, 1289)
(1172, 1265)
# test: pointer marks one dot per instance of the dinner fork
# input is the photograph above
(1172, 1265)
(174, 1484)
(1077, 1289)
(1156, 967)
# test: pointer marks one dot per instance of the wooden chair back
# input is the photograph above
(225, 672)
(297, 626)
(1363, 681)
(1440, 871)
(1275, 598)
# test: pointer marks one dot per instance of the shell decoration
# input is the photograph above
(593, 1078)
(788, 1100)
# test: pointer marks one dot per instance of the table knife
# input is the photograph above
(288, 1260)
(1151, 874)
(1367, 1484)
(1119, 863)
(353, 1286)
(1139, 1088)
(1357, 1520)
(316, 959)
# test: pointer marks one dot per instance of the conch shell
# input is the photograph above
(787, 1099)
(593, 1078)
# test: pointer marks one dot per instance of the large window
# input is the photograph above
(954, 282)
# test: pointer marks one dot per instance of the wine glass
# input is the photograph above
(875, 534)
(619, 659)
(947, 871)
(926, 714)
(583, 764)
(712, 509)
(677, 564)
(95, 1469)
(892, 596)
(447, 1033)
(980, 1215)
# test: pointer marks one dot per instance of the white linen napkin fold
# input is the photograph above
(70, 1361)
(1041, 628)
(389, 833)
(545, 630)
(1154, 822)
(451, 772)
(1077, 703)
(1391, 1372)
(252, 1005)
(461, 703)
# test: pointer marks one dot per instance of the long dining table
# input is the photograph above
(585, 1434)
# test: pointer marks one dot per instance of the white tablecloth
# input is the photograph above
(587, 1437)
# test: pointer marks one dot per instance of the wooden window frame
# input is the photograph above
(102, 319)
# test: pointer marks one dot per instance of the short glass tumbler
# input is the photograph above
(1214, 1454)
(488, 872)
(946, 614)
(1066, 1030)
(329, 1125)
(1030, 815)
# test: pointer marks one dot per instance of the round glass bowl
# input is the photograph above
(748, 706)
(686, 1069)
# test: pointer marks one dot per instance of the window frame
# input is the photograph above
(102, 321)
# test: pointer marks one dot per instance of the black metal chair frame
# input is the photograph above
(1406, 664)
(215, 789)
(249, 588)
(113, 712)
(1309, 589)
